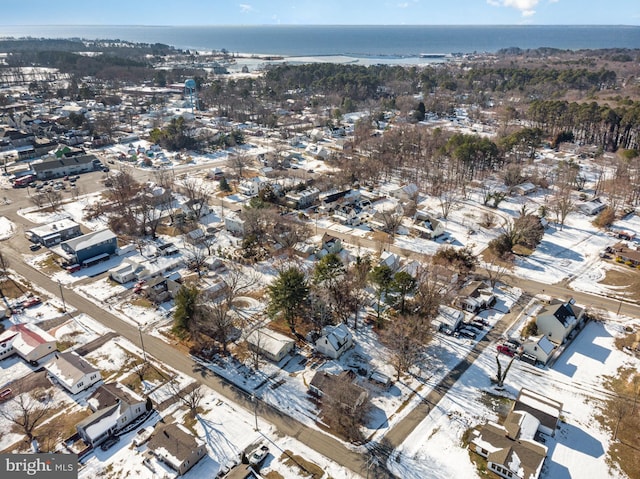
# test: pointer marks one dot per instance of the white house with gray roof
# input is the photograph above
(72, 372)
(335, 340)
(114, 409)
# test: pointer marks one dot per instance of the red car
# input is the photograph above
(506, 350)
(33, 301)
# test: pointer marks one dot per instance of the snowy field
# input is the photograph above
(576, 380)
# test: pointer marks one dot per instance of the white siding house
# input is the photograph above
(72, 372)
(27, 341)
(272, 345)
(334, 341)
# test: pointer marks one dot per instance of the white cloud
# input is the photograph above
(526, 7)
(245, 8)
(403, 4)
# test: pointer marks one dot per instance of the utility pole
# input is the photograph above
(144, 353)
(255, 409)
(64, 306)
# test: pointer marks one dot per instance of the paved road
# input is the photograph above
(404, 427)
(322, 443)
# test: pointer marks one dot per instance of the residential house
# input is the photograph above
(302, 199)
(509, 457)
(524, 189)
(475, 296)
(324, 384)
(216, 287)
(176, 447)
(271, 344)
(336, 198)
(316, 134)
(546, 410)
(335, 340)
(330, 244)
(114, 408)
(592, 207)
(123, 273)
(625, 254)
(196, 208)
(425, 225)
(539, 347)
(215, 174)
(558, 320)
(405, 192)
(515, 449)
(448, 319)
(253, 186)
(167, 249)
(27, 341)
(234, 225)
(59, 167)
(160, 289)
(53, 233)
(346, 216)
(195, 236)
(72, 372)
(392, 260)
(90, 248)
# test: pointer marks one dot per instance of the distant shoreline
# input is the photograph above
(362, 41)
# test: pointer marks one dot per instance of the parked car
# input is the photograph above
(446, 330)
(5, 394)
(224, 469)
(467, 333)
(258, 455)
(35, 247)
(113, 440)
(73, 268)
(33, 301)
(142, 435)
(504, 349)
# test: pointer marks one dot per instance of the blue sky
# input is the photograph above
(301, 12)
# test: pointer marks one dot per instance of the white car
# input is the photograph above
(258, 455)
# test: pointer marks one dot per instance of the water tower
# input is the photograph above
(191, 93)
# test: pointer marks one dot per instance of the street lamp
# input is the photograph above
(64, 306)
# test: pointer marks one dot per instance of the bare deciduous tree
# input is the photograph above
(562, 204)
(196, 256)
(344, 408)
(27, 410)
(448, 201)
(496, 270)
(501, 375)
(239, 160)
(190, 396)
(405, 340)
(197, 194)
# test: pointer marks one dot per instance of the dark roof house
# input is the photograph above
(176, 447)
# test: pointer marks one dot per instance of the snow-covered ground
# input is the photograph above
(579, 448)
(7, 228)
